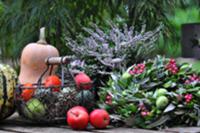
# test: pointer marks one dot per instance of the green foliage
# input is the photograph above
(149, 12)
(189, 15)
(22, 19)
(1, 8)
(196, 66)
(195, 63)
(171, 46)
(159, 93)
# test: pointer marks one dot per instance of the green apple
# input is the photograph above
(161, 92)
(162, 102)
(35, 109)
(198, 94)
(126, 75)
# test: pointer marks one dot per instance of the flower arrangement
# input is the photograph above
(157, 93)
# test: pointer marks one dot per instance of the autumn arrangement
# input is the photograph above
(111, 79)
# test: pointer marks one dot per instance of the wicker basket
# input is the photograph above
(46, 105)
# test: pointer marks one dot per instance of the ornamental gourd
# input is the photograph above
(33, 59)
(8, 79)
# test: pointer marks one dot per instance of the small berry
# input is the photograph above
(138, 69)
(148, 113)
(192, 78)
(188, 97)
(131, 72)
(108, 97)
(145, 113)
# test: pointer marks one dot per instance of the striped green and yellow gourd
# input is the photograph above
(8, 82)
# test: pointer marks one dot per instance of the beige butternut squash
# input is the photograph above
(32, 62)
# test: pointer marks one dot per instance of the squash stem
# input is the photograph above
(42, 39)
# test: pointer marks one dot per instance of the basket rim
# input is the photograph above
(38, 86)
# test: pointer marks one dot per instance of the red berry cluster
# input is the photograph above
(108, 99)
(192, 78)
(172, 67)
(144, 111)
(188, 98)
(138, 69)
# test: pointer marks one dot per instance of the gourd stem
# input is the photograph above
(42, 39)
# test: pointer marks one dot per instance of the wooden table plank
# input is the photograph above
(5, 131)
(184, 130)
(17, 125)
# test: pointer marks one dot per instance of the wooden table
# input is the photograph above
(15, 125)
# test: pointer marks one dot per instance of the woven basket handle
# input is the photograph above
(58, 60)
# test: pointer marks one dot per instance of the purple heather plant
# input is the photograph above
(113, 49)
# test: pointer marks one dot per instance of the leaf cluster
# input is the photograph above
(130, 92)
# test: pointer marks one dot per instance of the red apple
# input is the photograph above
(83, 81)
(51, 81)
(77, 118)
(99, 118)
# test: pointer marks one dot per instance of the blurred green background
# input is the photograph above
(20, 21)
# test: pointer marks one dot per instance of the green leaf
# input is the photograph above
(169, 84)
(196, 89)
(151, 85)
(122, 84)
(160, 75)
(179, 112)
(143, 81)
(185, 67)
(114, 77)
(159, 122)
(132, 108)
(181, 90)
(169, 108)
